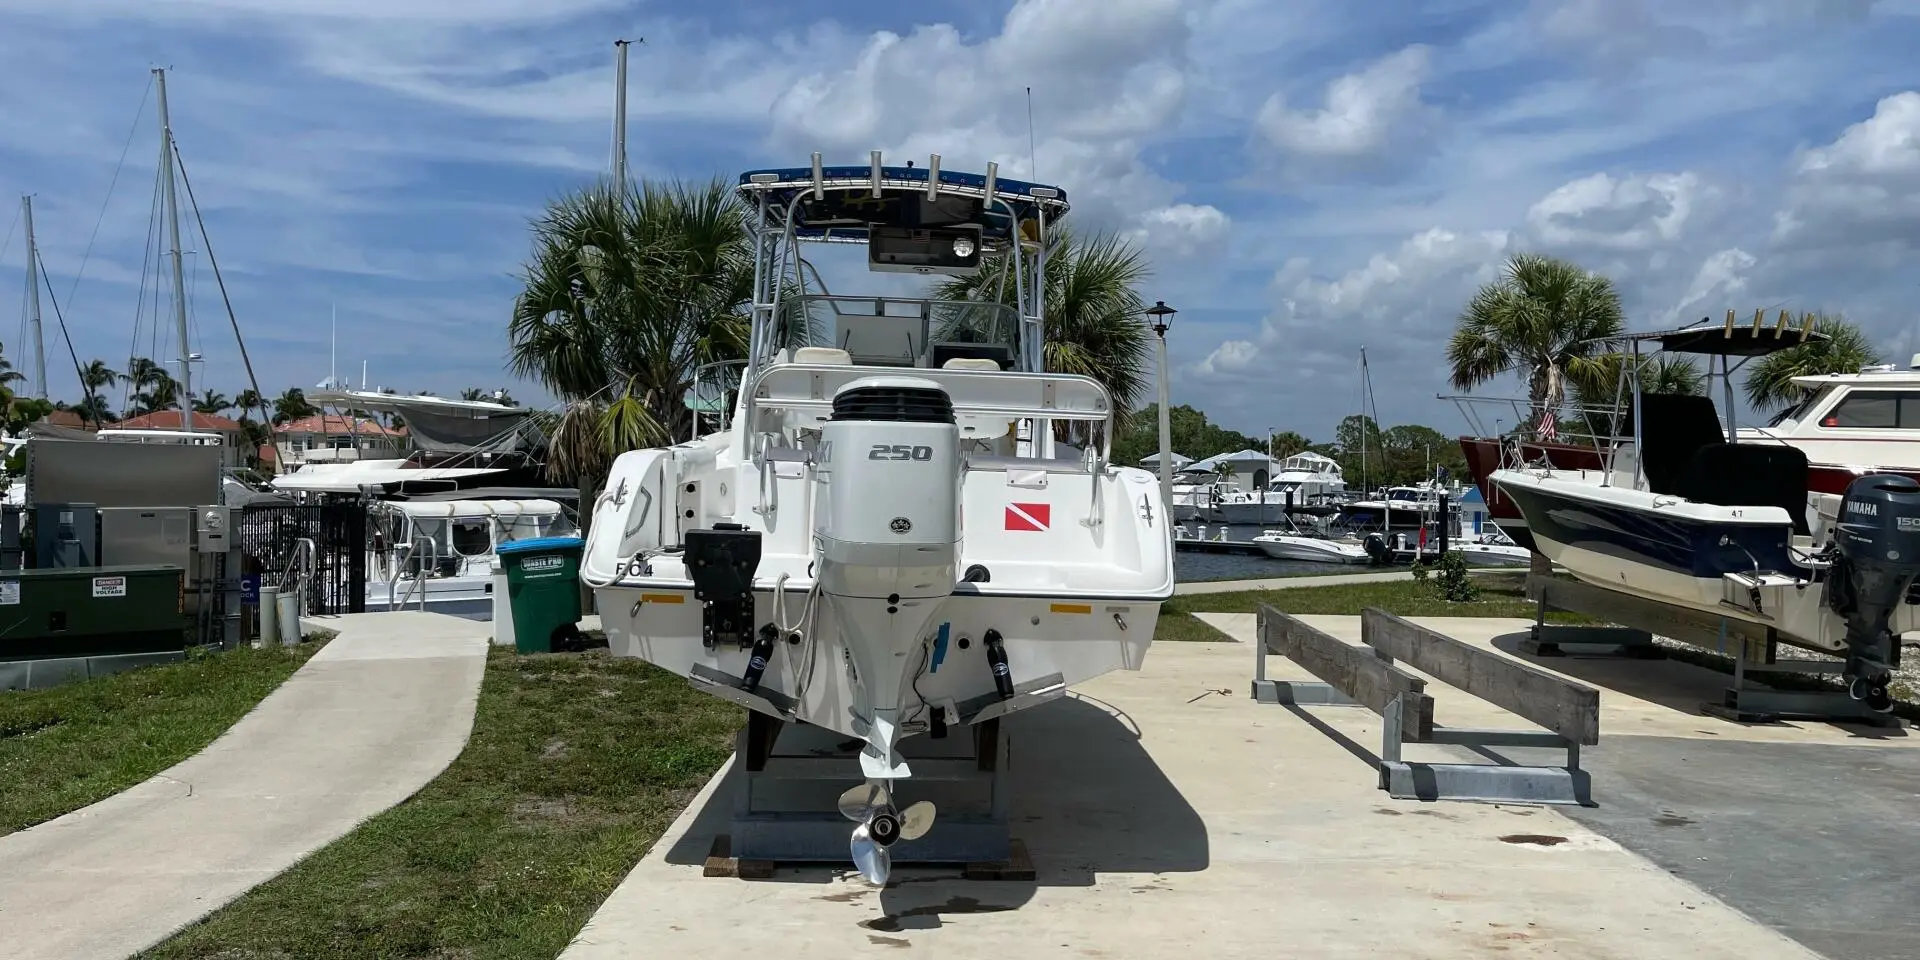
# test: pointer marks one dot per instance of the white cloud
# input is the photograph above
(1638, 212)
(1106, 75)
(1721, 279)
(1864, 187)
(1366, 112)
(1182, 230)
(1232, 356)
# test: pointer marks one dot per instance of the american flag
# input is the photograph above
(1545, 430)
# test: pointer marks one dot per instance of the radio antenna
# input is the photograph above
(1033, 161)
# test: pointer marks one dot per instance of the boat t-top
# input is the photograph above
(885, 538)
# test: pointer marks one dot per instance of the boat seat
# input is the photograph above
(971, 363)
(824, 355)
(1673, 429)
(1749, 474)
(944, 352)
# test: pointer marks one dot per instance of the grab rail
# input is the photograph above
(394, 601)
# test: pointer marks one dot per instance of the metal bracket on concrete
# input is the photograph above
(1749, 704)
(1482, 782)
(1567, 712)
(1302, 692)
(791, 775)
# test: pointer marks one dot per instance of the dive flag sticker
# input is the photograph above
(1029, 516)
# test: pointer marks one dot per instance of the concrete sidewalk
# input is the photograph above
(1167, 815)
(374, 716)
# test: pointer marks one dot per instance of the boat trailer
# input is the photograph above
(1754, 649)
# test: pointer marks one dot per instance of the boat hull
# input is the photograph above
(1662, 548)
(1311, 550)
(1050, 643)
(1483, 458)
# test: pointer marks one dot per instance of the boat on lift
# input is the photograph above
(885, 538)
(1692, 514)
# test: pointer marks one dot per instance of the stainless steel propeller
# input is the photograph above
(880, 826)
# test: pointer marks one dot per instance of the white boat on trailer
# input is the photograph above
(868, 544)
(1683, 517)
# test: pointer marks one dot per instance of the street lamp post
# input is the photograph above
(1162, 319)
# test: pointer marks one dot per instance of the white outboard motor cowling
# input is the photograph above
(888, 536)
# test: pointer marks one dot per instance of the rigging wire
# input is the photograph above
(8, 243)
(140, 302)
(206, 243)
(62, 320)
(131, 131)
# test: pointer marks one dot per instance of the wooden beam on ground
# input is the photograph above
(1353, 670)
(1563, 706)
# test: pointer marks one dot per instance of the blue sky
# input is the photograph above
(1308, 177)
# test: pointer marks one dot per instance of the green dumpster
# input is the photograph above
(543, 591)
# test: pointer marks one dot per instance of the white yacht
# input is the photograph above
(1290, 542)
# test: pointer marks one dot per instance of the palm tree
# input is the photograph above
(7, 373)
(1539, 319)
(626, 294)
(1769, 384)
(212, 401)
(1093, 310)
(96, 375)
(292, 405)
(94, 408)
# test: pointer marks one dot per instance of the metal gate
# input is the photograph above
(318, 547)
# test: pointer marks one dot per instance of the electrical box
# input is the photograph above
(12, 556)
(147, 535)
(65, 535)
(92, 611)
(213, 529)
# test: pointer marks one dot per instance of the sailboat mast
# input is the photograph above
(333, 352)
(33, 300)
(173, 235)
(1367, 387)
(620, 115)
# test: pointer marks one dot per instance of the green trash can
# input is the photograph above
(543, 591)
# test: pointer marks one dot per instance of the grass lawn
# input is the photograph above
(68, 746)
(576, 765)
(1501, 595)
(1179, 625)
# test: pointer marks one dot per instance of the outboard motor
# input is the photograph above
(888, 532)
(1878, 536)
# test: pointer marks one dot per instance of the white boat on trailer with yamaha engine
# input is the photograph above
(884, 538)
(1683, 517)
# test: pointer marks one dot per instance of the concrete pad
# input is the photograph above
(1166, 813)
(1637, 697)
(370, 719)
(1817, 840)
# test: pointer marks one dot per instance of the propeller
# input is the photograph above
(880, 826)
